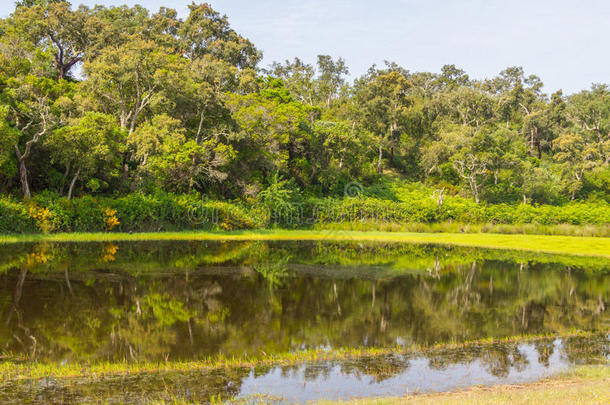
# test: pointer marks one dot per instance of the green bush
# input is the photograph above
(228, 216)
(137, 212)
(15, 218)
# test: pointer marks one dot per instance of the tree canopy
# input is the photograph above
(111, 100)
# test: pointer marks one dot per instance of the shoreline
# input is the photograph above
(553, 244)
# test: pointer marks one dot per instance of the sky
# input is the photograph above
(564, 42)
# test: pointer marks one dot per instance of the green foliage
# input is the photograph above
(90, 146)
(277, 194)
(135, 212)
(169, 105)
(164, 211)
(228, 216)
(15, 218)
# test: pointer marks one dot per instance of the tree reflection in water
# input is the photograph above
(388, 375)
(189, 300)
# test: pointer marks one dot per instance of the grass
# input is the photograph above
(573, 245)
(458, 227)
(583, 385)
(22, 369)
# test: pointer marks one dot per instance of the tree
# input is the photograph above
(181, 164)
(206, 32)
(576, 156)
(70, 34)
(342, 146)
(148, 139)
(161, 148)
(29, 101)
(88, 144)
(471, 168)
(271, 131)
(8, 137)
(199, 97)
(129, 79)
(538, 181)
(298, 78)
(452, 77)
(589, 112)
(331, 77)
(384, 103)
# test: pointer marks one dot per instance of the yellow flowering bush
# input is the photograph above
(110, 218)
(42, 217)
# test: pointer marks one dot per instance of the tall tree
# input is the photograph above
(298, 77)
(207, 32)
(70, 34)
(129, 79)
(589, 112)
(32, 111)
(331, 77)
(576, 155)
(384, 101)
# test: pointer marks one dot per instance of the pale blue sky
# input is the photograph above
(565, 42)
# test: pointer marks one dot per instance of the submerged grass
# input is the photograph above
(573, 245)
(22, 369)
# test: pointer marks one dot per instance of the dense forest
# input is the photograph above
(111, 101)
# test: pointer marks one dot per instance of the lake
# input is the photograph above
(444, 312)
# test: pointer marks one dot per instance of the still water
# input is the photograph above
(162, 301)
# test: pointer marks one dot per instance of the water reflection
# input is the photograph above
(392, 375)
(189, 300)
(420, 373)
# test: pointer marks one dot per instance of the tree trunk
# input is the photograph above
(72, 184)
(23, 177)
(23, 174)
(379, 162)
(61, 71)
(392, 138)
(198, 136)
(475, 189)
(63, 179)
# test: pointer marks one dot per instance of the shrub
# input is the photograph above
(164, 211)
(228, 216)
(14, 218)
